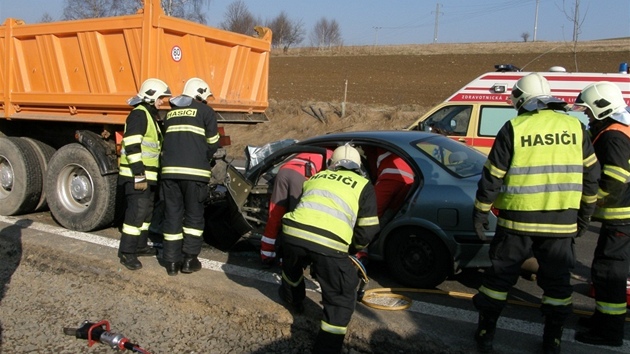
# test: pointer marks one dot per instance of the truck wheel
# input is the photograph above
(20, 177)
(44, 152)
(417, 258)
(79, 197)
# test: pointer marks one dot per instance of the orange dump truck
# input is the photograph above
(63, 100)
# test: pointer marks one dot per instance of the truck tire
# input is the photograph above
(20, 177)
(79, 197)
(44, 152)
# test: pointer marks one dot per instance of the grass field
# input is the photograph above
(388, 87)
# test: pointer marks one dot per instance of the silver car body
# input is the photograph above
(431, 236)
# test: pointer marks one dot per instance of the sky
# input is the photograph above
(391, 22)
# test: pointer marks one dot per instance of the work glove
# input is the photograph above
(480, 221)
(140, 182)
(582, 224)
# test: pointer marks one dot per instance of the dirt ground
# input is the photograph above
(390, 87)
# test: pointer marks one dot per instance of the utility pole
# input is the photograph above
(437, 15)
(376, 35)
(536, 20)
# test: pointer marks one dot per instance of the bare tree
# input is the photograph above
(186, 9)
(573, 15)
(525, 36)
(79, 9)
(124, 7)
(285, 31)
(326, 33)
(238, 18)
(46, 17)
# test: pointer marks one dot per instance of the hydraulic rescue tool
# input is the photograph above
(100, 332)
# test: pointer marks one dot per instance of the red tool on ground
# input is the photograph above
(100, 332)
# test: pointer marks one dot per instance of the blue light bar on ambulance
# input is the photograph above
(506, 67)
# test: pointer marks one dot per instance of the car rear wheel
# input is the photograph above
(417, 258)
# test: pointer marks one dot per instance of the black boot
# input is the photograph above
(609, 331)
(593, 321)
(143, 249)
(191, 264)
(130, 261)
(328, 343)
(485, 331)
(594, 338)
(552, 336)
(172, 268)
(172, 256)
(587, 322)
(297, 307)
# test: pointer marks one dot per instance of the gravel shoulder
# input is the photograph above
(50, 282)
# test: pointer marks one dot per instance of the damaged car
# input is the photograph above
(429, 237)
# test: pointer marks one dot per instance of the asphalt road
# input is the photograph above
(439, 318)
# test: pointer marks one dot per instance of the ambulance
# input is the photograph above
(475, 113)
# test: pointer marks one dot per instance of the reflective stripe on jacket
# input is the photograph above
(330, 201)
(618, 210)
(547, 165)
(393, 167)
(150, 144)
(190, 139)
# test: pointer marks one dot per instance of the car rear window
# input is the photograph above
(452, 155)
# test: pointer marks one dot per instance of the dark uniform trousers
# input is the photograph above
(508, 251)
(338, 279)
(609, 273)
(139, 210)
(183, 208)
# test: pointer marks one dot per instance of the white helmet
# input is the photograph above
(346, 156)
(197, 89)
(150, 90)
(528, 87)
(602, 98)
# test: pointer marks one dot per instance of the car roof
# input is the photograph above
(393, 136)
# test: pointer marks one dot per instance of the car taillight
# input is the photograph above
(495, 211)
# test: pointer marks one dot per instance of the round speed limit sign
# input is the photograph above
(176, 53)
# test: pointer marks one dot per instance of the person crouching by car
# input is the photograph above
(287, 189)
(335, 216)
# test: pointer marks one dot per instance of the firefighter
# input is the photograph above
(393, 182)
(287, 189)
(335, 216)
(394, 178)
(541, 176)
(190, 140)
(609, 125)
(138, 172)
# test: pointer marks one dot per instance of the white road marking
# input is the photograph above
(511, 324)
(425, 308)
